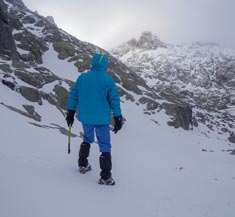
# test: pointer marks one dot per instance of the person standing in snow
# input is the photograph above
(96, 97)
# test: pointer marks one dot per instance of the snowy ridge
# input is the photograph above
(181, 63)
(201, 75)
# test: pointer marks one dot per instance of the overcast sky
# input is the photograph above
(108, 23)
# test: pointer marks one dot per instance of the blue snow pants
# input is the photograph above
(102, 133)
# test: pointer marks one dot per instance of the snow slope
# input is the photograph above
(159, 171)
(61, 68)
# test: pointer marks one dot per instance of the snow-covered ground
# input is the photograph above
(61, 68)
(159, 171)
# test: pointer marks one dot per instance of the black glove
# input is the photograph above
(70, 117)
(118, 124)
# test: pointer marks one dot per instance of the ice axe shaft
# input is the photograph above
(69, 136)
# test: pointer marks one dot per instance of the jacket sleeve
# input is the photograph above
(73, 96)
(114, 99)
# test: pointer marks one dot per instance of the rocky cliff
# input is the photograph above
(202, 76)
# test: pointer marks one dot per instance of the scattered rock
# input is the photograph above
(6, 68)
(61, 96)
(57, 127)
(151, 104)
(31, 94)
(29, 109)
(64, 49)
(34, 116)
(182, 115)
(179, 168)
(231, 138)
(231, 151)
(28, 19)
(9, 84)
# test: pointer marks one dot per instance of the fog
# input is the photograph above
(109, 23)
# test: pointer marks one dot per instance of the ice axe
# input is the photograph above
(69, 136)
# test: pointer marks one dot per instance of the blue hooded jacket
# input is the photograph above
(95, 94)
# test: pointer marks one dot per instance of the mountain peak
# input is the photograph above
(149, 41)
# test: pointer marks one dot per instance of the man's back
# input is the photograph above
(96, 94)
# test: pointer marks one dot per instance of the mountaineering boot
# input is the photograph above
(83, 170)
(106, 167)
(109, 181)
(84, 152)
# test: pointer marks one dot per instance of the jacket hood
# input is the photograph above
(99, 61)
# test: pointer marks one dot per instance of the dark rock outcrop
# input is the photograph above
(181, 115)
(231, 138)
(7, 44)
